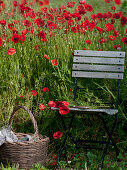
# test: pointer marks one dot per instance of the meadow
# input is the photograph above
(37, 41)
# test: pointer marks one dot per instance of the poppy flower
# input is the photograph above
(22, 38)
(31, 14)
(82, 2)
(123, 21)
(116, 15)
(108, 1)
(45, 2)
(53, 163)
(15, 3)
(113, 8)
(51, 104)
(42, 34)
(41, 3)
(124, 40)
(20, 96)
(42, 107)
(70, 4)
(65, 103)
(44, 40)
(24, 32)
(34, 93)
(88, 8)
(26, 23)
(10, 26)
(112, 38)
(54, 62)
(37, 47)
(45, 89)
(3, 22)
(63, 110)
(1, 42)
(118, 2)
(47, 57)
(110, 27)
(102, 40)
(11, 51)
(15, 38)
(100, 30)
(117, 46)
(57, 135)
(88, 41)
(74, 29)
(40, 22)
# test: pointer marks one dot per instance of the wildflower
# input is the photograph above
(34, 93)
(10, 26)
(63, 110)
(54, 62)
(15, 38)
(31, 14)
(15, 3)
(117, 46)
(3, 22)
(109, 27)
(45, 2)
(24, 32)
(82, 2)
(100, 30)
(47, 57)
(57, 135)
(53, 163)
(11, 51)
(1, 42)
(113, 8)
(118, 2)
(42, 107)
(88, 41)
(42, 34)
(45, 89)
(40, 22)
(124, 40)
(37, 47)
(22, 38)
(26, 23)
(112, 38)
(51, 104)
(88, 8)
(123, 21)
(108, 1)
(74, 29)
(70, 4)
(20, 96)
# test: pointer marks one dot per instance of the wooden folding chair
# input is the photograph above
(96, 65)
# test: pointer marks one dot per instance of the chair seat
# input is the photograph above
(89, 111)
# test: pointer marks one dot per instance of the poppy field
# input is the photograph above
(37, 42)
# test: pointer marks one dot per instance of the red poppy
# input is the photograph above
(124, 40)
(22, 38)
(1, 42)
(26, 23)
(116, 15)
(53, 26)
(15, 38)
(108, 1)
(42, 34)
(40, 22)
(113, 8)
(3, 22)
(54, 62)
(46, 2)
(117, 46)
(44, 40)
(88, 41)
(82, 2)
(37, 47)
(10, 26)
(57, 135)
(15, 3)
(51, 104)
(53, 163)
(102, 40)
(70, 4)
(42, 107)
(24, 32)
(31, 14)
(41, 3)
(11, 51)
(34, 93)
(45, 89)
(123, 21)
(118, 2)
(100, 30)
(99, 16)
(63, 110)
(20, 96)
(88, 8)
(74, 29)
(47, 57)
(65, 103)
(112, 38)
(110, 27)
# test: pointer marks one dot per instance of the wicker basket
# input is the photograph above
(26, 153)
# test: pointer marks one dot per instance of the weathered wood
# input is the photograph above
(98, 60)
(97, 75)
(90, 111)
(99, 53)
(98, 67)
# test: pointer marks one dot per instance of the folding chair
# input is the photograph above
(96, 65)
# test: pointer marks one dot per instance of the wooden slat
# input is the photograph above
(99, 53)
(98, 60)
(97, 75)
(98, 67)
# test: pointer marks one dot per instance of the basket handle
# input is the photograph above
(31, 116)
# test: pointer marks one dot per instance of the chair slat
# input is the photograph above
(99, 53)
(97, 75)
(98, 60)
(98, 67)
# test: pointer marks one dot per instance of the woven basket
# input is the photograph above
(25, 153)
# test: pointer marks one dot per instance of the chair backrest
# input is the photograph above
(98, 64)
